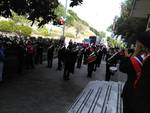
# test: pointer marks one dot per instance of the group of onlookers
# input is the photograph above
(25, 52)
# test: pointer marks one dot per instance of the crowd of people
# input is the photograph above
(18, 53)
(28, 51)
(136, 93)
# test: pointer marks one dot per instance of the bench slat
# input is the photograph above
(99, 97)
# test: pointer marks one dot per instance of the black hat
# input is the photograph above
(144, 38)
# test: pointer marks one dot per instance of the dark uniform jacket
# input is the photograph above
(142, 94)
(126, 67)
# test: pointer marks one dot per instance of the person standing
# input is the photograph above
(68, 62)
(50, 55)
(108, 64)
(80, 57)
(135, 93)
(99, 56)
(2, 58)
(21, 56)
(30, 55)
(61, 52)
(142, 82)
(91, 61)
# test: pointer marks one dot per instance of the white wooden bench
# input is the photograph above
(99, 97)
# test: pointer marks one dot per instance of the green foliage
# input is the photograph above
(94, 30)
(33, 9)
(70, 20)
(102, 34)
(60, 10)
(23, 30)
(10, 26)
(128, 27)
(126, 8)
(7, 26)
(74, 15)
(115, 43)
(79, 28)
(110, 28)
(70, 35)
(19, 19)
(75, 2)
(43, 31)
(84, 22)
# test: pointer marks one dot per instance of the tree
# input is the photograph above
(20, 19)
(115, 43)
(127, 26)
(10, 26)
(94, 30)
(74, 15)
(79, 28)
(70, 20)
(60, 10)
(102, 34)
(41, 10)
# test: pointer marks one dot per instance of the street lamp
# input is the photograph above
(65, 16)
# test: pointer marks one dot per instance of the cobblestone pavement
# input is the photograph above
(43, 90)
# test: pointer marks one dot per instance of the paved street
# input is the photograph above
(43, 90)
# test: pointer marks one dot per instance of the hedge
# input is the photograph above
(10, 26)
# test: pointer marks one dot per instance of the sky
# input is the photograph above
(98, 13)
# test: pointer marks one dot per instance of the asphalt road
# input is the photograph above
(43, 90)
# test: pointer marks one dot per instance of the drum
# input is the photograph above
(113, 69)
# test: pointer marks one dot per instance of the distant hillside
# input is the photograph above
(76, 28)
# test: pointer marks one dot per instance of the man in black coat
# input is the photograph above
(50, 54)
(127, 93)
(61, 53)
(68, 62)
(91, 59)
(80, 57)
(136, 93)
(142, 94)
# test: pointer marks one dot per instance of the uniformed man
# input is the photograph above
(99, 56)
(61, 53)
(50, 54)
(68, 62)
(80, 57)
(136, 91)
(142, 82)
(2, 58)
(91, 60)
(30, 55)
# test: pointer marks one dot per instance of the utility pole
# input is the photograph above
(65, 20)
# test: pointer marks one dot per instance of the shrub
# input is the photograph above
(43, 31)
(7, 26)
(23, 30)
(70, 35)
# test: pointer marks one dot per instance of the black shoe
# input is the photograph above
(89, 76)
(59, 69)
(66, 78)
